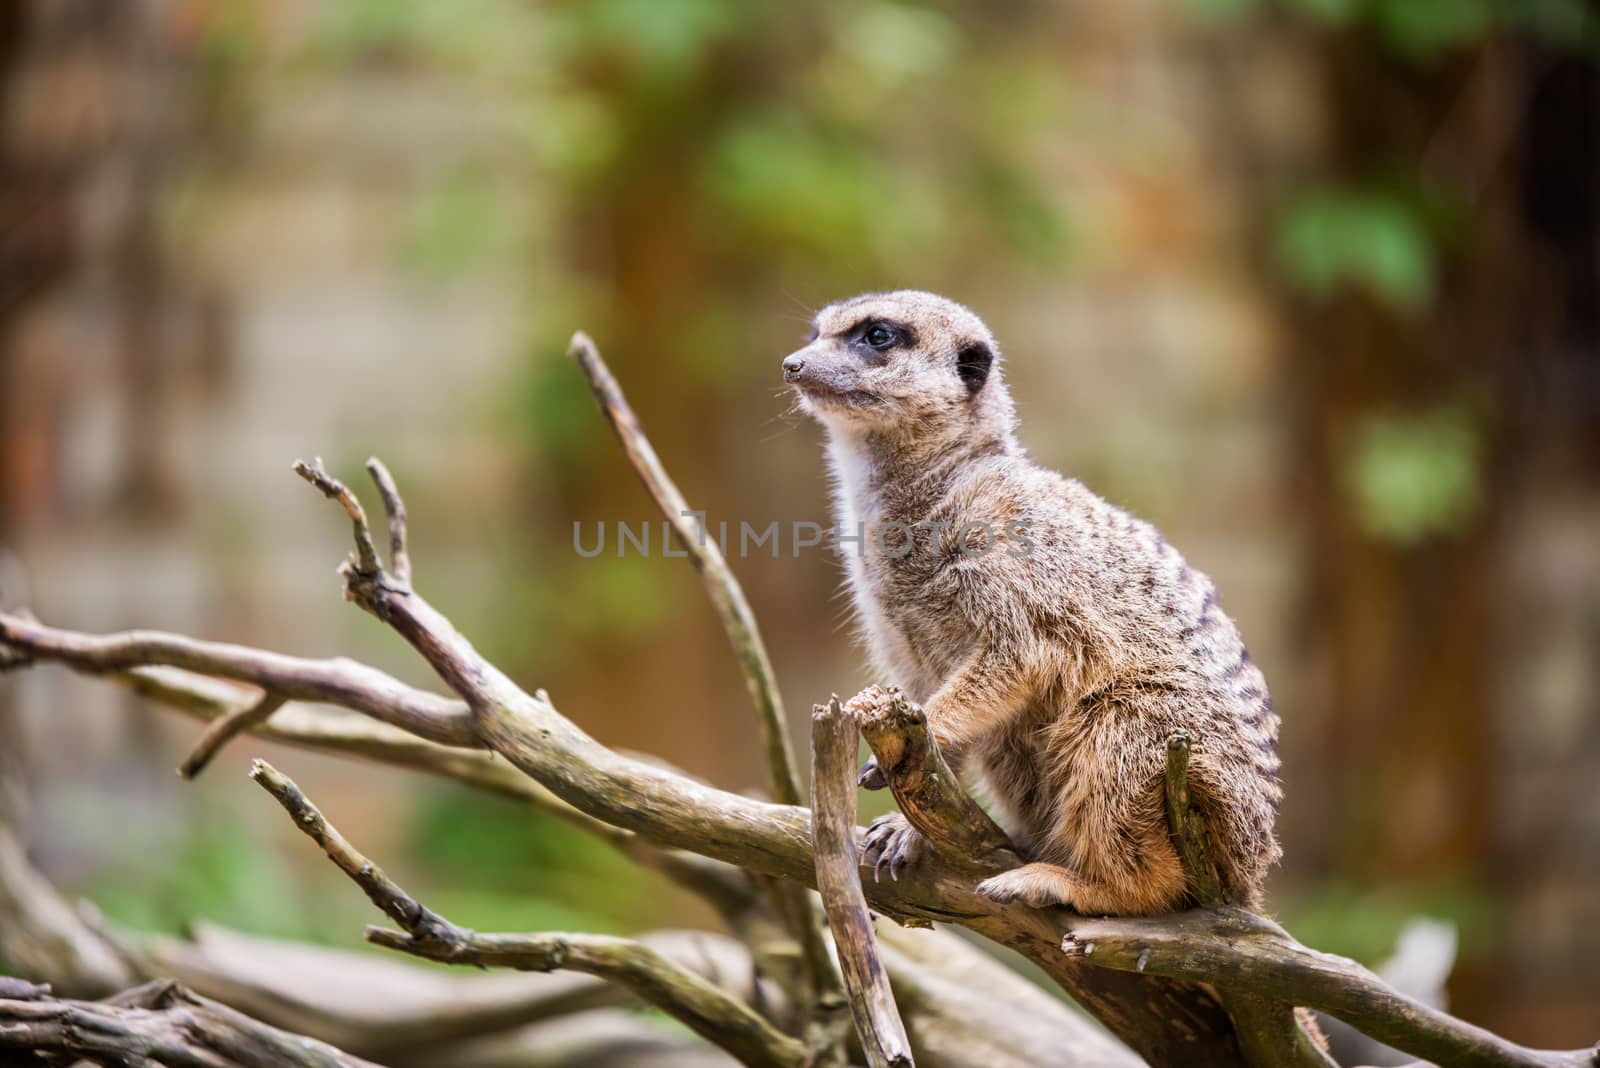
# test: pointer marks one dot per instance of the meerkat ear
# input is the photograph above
(973, 362)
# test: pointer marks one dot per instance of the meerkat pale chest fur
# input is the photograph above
(1054, 641)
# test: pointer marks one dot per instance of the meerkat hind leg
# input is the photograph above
(1038, 884)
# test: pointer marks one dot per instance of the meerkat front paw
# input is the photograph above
(891, 841)
(1037, 885)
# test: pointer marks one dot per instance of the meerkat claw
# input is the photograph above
(872, 777)
(893, 843)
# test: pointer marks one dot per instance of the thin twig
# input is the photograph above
(726, 594)
(337, 681)
(799, 913)
(332, 488)
(225, 728)
(705, 1008)
(394, 507)
(833, 838)
(381, 890)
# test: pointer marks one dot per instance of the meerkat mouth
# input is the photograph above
(818, 393)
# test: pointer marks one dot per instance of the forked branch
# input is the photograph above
(662, 807)
(706, 1009)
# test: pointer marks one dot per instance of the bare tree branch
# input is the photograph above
(928, 792)
(707, 1010)
(1246, 952)
(366, 558)
(225, 728)
(338, 681)
(394, 507)
(724, 589)
(1166, 1021)
(160, 1023)
(393, 1009)
(1269, 1031)
(838, 864)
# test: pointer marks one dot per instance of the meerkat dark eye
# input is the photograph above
(878, 336)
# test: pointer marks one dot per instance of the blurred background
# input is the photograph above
(1313, 285)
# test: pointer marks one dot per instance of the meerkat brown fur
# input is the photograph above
(1053, 640)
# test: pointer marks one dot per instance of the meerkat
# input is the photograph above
(1053, 640)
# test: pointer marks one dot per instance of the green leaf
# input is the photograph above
(1425, 28)
(1370, 239)
(1415, 478)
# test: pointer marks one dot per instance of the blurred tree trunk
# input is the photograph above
(1411, 635)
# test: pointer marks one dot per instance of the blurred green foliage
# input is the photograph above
(1372, 239)
(1362, 921)
(487, 861)
(1422, 30)
(1416, 477)
(458, 222)
(510, 867)
(211, 872)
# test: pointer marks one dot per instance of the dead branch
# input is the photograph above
(797, 911)
(1167, 1022)
(225, 728)
(337, 681)
(160, 1023)
(391, 1009)
(1242, 951)
(928, 792)
(395, 509)
(1269, 1031)
(838, 864)
(724, 589)
(366, 558)
(707, 1010)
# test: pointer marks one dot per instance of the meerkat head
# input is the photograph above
(905, 363)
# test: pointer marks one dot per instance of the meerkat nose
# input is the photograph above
(792, 366)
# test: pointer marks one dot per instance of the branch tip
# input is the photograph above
(581, 345)
(225, 728)
(394, 509)
(366, 561)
